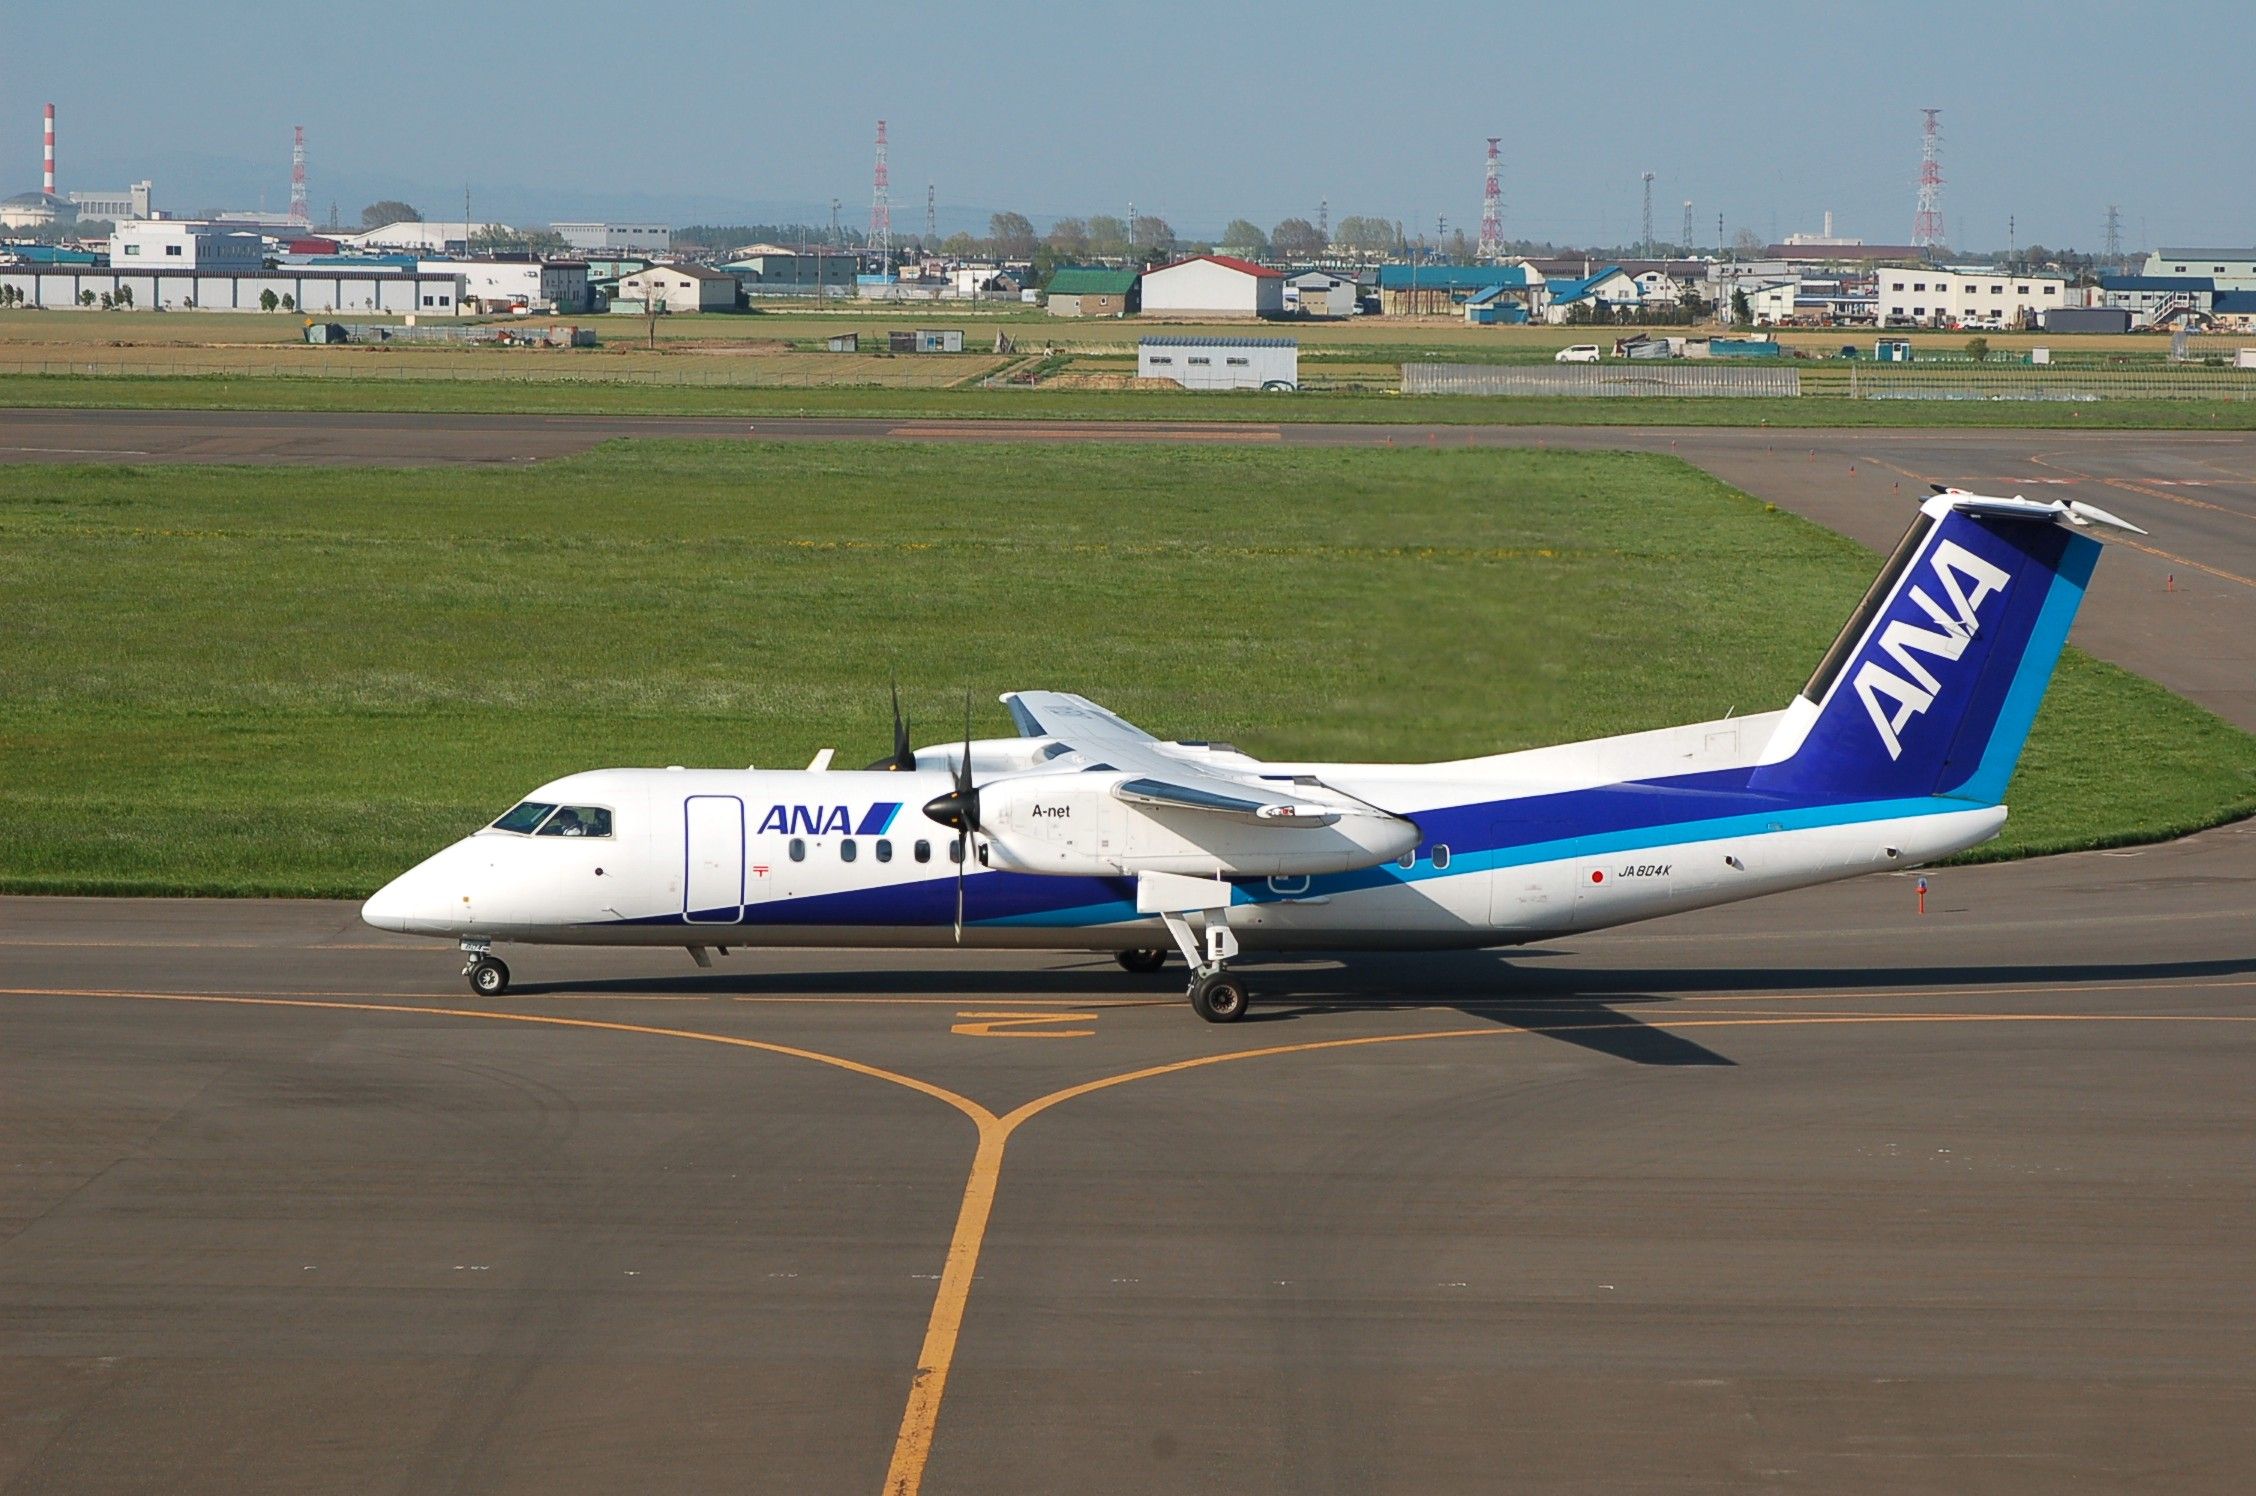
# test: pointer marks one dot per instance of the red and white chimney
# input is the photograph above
(50, 182)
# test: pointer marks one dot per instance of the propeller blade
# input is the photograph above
(903, 759)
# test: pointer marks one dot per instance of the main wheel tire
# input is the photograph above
(1142, 963)
(488, 977)
(1218, 997)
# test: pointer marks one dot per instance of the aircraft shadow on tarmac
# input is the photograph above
(1574, 1005)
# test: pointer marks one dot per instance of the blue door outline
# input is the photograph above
(719, 914)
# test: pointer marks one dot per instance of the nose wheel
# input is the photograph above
(488, 977)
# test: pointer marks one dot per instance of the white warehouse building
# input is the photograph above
(172, 244)
(1221, 363)
(1966, 298)
(535, 285)
(617, 238)
(1214, 286)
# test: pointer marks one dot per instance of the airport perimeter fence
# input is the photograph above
(1627, 379)
(1836, 380)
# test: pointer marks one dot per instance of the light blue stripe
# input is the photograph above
(1115, 911)
(2031, 679)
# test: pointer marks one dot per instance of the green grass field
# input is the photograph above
(258, 680)
(506, 396)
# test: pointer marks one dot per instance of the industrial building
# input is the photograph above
(773, 270)
(616, 238)
(1214, 286)
(1221, 363)
(2159, 300)
(676, 288)
(1077, 291)
(134, 203)
(436, 238)
(1416, 290)
(1967, 298)
(303, 288)
(530, 285)
(1320, 293)
(174, 244)
(2225, 269)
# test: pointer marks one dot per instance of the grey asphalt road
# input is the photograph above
(1817, 1193)
(2178, 606)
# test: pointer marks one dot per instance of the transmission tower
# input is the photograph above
(931, 218)
(881, 207)
(1685, 244)
(1927, 224)
(1648, 179)
(2114, 235)
(299, 213)
(1492, 208)
(1324, 220)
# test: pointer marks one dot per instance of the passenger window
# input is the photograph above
(1440, 856)
(524, 818)
(1408, 859)
(884, 850)
(955, 849)
(847, 851)
(578, 820)
(924, 851)
(798, 850)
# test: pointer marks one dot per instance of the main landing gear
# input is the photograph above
(1142, 963)
(489, 975)
(1216, 995)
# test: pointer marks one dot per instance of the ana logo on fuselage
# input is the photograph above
(827, 820)
(1967, 581)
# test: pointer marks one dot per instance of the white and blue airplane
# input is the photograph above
(1087, 833)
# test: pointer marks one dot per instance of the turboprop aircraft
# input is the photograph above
(1086, 833)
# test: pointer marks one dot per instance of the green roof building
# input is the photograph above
(1079, 291)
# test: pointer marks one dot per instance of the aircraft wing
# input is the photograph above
(1161, 779)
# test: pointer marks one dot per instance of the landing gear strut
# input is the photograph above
(1142, 963)
(489, 975)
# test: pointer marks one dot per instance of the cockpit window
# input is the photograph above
(524, 818)
(577, 820)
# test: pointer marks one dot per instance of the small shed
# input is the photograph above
(1221, 363)
(1892, 351)
(939, 340)
(845, 342)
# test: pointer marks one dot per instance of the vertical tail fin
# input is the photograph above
(1932, 685)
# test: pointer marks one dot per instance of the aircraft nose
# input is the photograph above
(391, 906)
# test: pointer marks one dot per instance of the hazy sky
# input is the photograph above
(1766, 113)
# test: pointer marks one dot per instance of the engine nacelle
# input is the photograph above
(1073, 825)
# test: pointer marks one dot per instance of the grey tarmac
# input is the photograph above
(1815, 1193)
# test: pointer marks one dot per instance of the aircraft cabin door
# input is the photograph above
(712, 860)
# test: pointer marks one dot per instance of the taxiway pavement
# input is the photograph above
(1813, 1193)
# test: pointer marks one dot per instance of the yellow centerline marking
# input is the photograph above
(912, 1447)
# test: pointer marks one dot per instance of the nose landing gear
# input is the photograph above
(489, 975)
